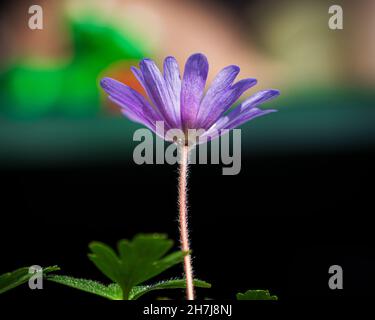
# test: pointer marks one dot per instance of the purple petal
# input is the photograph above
(248, 107)
(246, 111)
(247, 116)
(133, 105)
(138, 74)
(129, 113)
(259, 98)
(193, 83)
(226, 100)
(215, 92)
(173, 83)
(217, 130)
(156, 89)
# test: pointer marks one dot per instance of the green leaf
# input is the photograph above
(111, 291)
(106, 260)
(17, 277)
(139, 291)
(255, 295)
(137, 260)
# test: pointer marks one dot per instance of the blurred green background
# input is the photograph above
(52, 110)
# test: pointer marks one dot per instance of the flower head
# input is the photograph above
(182, 103)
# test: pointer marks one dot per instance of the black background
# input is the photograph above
(278, 225)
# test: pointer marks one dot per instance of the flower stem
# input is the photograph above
(184, 235)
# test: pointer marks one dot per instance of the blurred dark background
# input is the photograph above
(303, 200)
(279, 225)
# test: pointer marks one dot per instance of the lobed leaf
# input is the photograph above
(106, 260)
(139, 291)
(111, 291)
(17, 277)
(137, 260)
(255, 295)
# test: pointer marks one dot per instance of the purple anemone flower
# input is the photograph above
(182, 103)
